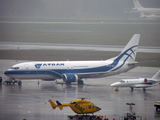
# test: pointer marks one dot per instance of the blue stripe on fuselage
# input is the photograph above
(121, 56)
(57, 73)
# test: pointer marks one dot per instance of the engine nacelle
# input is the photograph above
(70, 77)
(145, 80)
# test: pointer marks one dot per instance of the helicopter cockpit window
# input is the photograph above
(15, 68)
(73, 103)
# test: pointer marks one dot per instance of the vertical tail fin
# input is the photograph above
(52, 104)
(137, 4)
(156, 76)
(128, 54)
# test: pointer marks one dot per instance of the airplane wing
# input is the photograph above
(87, 75)
(142, 85)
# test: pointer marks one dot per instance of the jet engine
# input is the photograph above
(145, 80)
(70, 77)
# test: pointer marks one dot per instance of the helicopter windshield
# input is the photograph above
(72, 102)
(15, 68)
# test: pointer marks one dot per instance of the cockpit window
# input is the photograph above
(122, 81)
(15, 68)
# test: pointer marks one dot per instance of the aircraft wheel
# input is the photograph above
(132, 88)
(71, 118)
(19, 83)
(157, 109)
(80, 82)
(68, 83)
(144, 89)
(116, 89)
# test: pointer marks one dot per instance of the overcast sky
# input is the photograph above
(70, 8)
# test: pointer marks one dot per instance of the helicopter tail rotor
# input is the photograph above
(52, 104)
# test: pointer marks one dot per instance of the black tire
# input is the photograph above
(80, 82)
(19, 83)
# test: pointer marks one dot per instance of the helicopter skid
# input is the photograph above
(85, 117)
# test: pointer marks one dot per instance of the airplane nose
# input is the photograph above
(114, 84)
(7, 72)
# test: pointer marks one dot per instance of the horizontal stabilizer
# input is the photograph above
(59, 105)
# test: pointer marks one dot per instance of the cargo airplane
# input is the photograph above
(75, 71)
(145, 12)
(138, 83)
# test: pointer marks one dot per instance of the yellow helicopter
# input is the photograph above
(80, 106)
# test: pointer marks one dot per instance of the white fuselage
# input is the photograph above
(155, 11)
(134, 83)
(73, 71)
(53, 70)
(148, 11)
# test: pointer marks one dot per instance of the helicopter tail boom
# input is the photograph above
(54, 105)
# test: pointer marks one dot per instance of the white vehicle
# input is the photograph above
(137, 83)
(75, 71)
(145, 12)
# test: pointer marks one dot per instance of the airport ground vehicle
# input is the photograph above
(157, 105)
(130, 115)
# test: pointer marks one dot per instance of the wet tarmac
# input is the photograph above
(28, 101)
(49, 46)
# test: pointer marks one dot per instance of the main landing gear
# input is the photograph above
(144, 89)
(80, 82)
(116, 89)
(132, 88)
